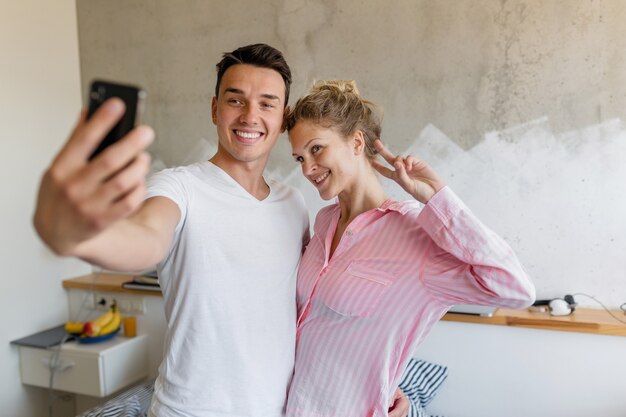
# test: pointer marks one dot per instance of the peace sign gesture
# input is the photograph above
(415, 176)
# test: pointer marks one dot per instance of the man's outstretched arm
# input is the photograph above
(136, 243)
(95, 210)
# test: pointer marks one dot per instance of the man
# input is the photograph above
(226, 242)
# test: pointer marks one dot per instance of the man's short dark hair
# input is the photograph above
(259, 55)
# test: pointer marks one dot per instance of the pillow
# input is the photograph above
(420, 382)
(130, 407)
(133, 402)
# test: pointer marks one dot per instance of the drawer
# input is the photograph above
(94, 370)
(76, 373)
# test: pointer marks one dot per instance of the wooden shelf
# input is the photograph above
(105, 282)
(583, 320)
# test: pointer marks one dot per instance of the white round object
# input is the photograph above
(559, 307)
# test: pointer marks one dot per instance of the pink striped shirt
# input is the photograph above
(395, 272)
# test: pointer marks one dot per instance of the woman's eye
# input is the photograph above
(315, 148)
(299, 159)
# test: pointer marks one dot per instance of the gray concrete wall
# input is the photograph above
(518, 103)
(468, 66)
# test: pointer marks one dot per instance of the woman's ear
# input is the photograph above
(358, 140)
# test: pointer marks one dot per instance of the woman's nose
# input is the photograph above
(308, 166)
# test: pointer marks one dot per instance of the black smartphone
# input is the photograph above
(133, 98)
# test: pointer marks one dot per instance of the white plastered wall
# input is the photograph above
(39, 102)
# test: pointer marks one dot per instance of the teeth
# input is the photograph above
(248, 135)
(321, 177)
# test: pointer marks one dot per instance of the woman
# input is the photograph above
(378, 274)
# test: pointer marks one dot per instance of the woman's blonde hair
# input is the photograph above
(337, 104)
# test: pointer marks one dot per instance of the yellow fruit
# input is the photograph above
(104, 319)
(95, 327)
(113, 325)
(74, 327)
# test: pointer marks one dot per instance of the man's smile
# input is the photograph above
(247, 137)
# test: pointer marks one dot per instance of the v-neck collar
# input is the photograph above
(234, 185)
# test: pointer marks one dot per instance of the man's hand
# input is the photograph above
(78, 199)
(400, 405)
(415, 176)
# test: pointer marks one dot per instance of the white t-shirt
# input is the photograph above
(229, 288)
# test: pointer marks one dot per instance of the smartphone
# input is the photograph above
(133, 98)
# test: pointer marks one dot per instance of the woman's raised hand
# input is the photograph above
(415, 176)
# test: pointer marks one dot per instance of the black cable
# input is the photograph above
(622, 307)
(53, 365)
(54, 359)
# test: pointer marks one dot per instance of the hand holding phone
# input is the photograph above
(79, 198)
(133, 98)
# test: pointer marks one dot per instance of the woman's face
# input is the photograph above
(328, 159)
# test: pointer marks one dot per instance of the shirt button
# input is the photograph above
(349, 233)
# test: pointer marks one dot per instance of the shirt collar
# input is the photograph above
(393, 205)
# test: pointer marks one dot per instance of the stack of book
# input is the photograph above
(148, 281)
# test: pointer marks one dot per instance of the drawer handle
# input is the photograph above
(58, 365)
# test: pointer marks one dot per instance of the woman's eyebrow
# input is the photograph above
(306, 145)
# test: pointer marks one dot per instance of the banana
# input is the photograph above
(112, 325)
(95, 327)
(104, 319)
(74, 327)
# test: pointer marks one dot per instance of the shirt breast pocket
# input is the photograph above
(358, 290)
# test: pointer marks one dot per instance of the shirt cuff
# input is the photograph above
(439, 210)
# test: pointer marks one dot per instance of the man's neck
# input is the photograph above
(248, 174)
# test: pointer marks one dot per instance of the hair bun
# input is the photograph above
(341, 86)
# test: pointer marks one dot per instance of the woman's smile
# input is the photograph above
(319, 180)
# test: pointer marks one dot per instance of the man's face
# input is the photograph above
(249, 112)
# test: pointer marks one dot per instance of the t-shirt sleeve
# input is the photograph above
(170, 183)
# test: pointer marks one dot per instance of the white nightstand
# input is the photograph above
(97, 370)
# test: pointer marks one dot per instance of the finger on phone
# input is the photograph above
(128, 204)
(90, 132)
(61, 164)
(104, 212)
(120, 154)
(116, 187)
(82, 117)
